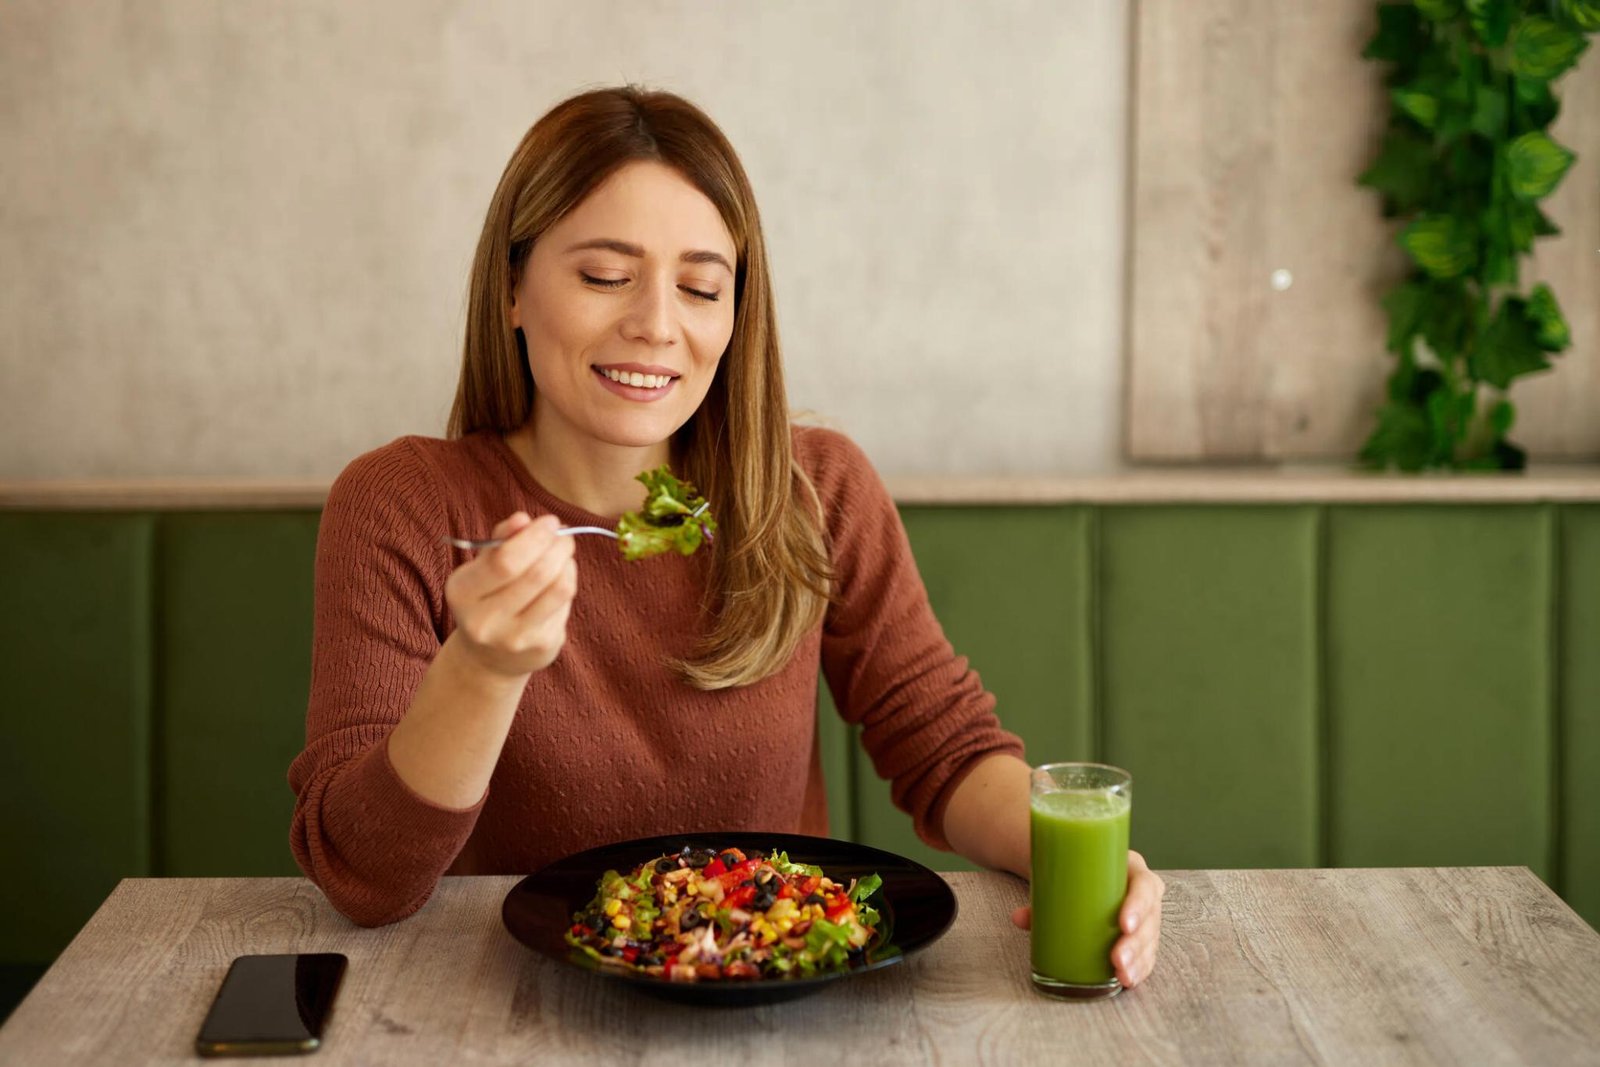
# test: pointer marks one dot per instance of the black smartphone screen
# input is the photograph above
(272, 1004)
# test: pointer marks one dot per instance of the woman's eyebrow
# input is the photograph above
(611, 244)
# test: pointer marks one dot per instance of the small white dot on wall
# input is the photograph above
(1281, 279)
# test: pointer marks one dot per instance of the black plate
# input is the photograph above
(916, 904)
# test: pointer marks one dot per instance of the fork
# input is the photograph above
(565, 531)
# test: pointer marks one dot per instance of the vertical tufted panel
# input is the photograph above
(1209, 631)
(74, 721)
(234, 654)
(1439, 685)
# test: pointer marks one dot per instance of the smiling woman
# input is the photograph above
(624, 240)
(482, 715)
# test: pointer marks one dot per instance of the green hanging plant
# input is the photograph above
(1466, 158)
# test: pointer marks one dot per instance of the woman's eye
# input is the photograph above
(604, 283)
(701, 295)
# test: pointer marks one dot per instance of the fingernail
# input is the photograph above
(1125, 957)
(1133, 921)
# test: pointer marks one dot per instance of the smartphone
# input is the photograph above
(272, 1005)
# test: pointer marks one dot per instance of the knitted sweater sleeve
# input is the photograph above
(925, 717)
(376, 848)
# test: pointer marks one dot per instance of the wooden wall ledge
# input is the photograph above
(1194, 485)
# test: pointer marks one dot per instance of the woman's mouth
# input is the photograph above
(635, 384)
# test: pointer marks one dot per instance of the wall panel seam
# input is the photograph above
(156, 628)
(1554, 583)
(1097, 640)
(1322, 688)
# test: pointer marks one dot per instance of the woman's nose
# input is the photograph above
(650, 316)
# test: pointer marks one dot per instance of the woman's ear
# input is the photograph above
(516, 315)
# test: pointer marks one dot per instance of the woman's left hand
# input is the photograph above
(1134, 954)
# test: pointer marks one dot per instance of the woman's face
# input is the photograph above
(626, 305)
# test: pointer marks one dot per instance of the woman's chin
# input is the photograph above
(636, 433)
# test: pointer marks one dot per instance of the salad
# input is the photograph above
(673, 518)
(700, 915)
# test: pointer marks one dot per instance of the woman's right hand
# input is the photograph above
(511, 602)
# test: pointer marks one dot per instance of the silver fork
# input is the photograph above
(565, 531)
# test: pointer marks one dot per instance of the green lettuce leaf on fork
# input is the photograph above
(667, 522)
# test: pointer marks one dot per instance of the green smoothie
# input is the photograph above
(1080, 875)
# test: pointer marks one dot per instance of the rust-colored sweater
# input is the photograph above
(608, 744)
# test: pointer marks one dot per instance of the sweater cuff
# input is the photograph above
(392, 844)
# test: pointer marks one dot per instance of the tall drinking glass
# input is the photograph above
(1079, 823)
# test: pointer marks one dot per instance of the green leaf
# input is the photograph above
(1525, 222)
(1457, 103)
(1509, 348)
(1399, 35)
(1489, 112)
(1551, 331)
(1444, 246)
(1402, 438)
(1490, 19)
(1537, 105)
(1439, 10)
(1501, 416)
(1499, 261)
(1580, 14)
(1406, 306)
(1535, 165)
(864, 888)
(1442, 415)
(1543, 48)
(666, 521)
(1403, 171)
(1422, 107)
(1444, 322)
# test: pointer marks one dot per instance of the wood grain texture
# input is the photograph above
(1252, 120)
(1479, 965)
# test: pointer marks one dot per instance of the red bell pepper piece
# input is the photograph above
(837, 907)
(714, 868)
(740, 897)
(630, 953)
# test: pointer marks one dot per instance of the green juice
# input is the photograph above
(1080, 875)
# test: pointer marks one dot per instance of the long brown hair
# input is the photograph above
(769, 567)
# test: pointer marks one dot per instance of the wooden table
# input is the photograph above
(1456, 965)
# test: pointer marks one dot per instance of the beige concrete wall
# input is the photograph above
(234, 236)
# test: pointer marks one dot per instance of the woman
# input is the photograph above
(478, 715)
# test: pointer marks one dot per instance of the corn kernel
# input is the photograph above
(768, 936)
(785, 925)
(621, 922)
(613, 906)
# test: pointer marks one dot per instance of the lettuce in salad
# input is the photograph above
(668, 521)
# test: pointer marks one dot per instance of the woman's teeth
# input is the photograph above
(634, 378)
